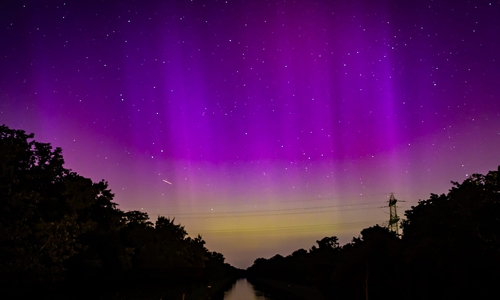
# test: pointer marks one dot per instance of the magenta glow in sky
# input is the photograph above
(277, 123)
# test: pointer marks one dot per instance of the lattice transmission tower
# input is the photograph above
(393, 215)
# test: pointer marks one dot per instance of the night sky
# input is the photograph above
(261, 125)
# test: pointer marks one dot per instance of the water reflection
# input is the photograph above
(243, 290)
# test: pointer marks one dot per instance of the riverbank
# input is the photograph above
(145, 286)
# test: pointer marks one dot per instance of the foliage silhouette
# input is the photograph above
(449, 249)
(452, 241)
(59, 227)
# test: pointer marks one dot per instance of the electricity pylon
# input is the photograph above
(393, 215)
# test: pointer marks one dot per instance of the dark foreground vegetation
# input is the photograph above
(449, 249)
(61, 235)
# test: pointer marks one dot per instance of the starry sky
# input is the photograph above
(261, 125)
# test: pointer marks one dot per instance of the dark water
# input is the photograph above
(243, 290)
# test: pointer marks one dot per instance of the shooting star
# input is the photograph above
(166, 181)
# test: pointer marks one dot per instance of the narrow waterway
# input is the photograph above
(243, 290)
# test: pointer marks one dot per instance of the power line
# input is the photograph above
(289, 229)
(281, 209)
(306, 200)
(266, 213)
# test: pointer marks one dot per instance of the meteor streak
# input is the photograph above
(166, 181)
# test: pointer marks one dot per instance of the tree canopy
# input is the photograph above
(449, 249)
(56, 225)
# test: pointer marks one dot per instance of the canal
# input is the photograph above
(244, 290)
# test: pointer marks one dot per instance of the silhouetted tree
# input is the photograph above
(452, 240)
(57, 225)
(41, 204)
(328, 243)
(450, 249)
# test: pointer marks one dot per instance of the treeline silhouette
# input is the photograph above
(61, 235)
(449, 249)
(60, 232)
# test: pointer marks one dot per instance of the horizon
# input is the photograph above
(261, 127)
